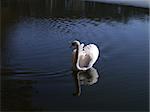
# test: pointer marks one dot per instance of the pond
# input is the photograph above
(36, 58)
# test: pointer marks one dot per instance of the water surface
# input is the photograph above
(36, 58)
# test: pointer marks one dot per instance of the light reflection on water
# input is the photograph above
(37, 59)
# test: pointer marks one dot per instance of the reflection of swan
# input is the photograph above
(88, 77)
(84, 56)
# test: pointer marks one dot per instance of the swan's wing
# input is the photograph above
(92, 51)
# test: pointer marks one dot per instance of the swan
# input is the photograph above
(84, 57)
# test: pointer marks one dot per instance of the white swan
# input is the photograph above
(84, 57)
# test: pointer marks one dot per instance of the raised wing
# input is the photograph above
(92, 51)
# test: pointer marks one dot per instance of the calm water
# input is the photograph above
(36, 58)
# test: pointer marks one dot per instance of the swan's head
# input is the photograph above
(75, 43)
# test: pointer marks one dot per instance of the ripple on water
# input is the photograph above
(43, 44)
(37, 75)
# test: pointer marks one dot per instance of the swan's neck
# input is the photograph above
(77, 55)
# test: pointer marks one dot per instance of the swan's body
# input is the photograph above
(84, 57)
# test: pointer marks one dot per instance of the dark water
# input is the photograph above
(36, 58)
